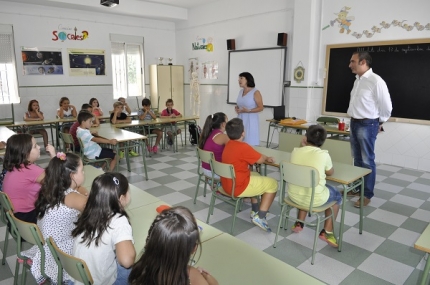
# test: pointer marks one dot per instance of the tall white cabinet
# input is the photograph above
(167, 81)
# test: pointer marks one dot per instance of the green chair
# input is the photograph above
(203, 156)
(328, 120)
(226, 171)
(67, 139)
(6, 205)
(308, 177)
(30, 233)
(86, 160)
(76, 267)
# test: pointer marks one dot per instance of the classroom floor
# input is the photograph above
(383, 254)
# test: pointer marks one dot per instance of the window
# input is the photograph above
(127, 66)
(8, 80)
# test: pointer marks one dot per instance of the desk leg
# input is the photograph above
(361, 205)
(268, 135)
(426, 271)
(142, 145)
(342, 218)
(57, 126)
(127, 158)
(52, 134)
(117, 157)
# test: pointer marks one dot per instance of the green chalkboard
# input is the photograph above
(404, 65)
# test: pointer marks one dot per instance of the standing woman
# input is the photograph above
(249, 104)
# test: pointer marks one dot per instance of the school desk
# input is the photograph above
(232, 261)
(423, 244)
(349, 176)
(142, 217)
(5, 134)
(330, 128)
(109, 132)
(51, 123)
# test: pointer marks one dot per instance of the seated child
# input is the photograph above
(169, 112)
(103, 234)
(34, 114)
(310, 154)
(96, 122)
(173, 239)
(125, 108)
(119, 117)
(92, 150)
(248, 184)
(146, 113)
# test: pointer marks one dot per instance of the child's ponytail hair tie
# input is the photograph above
(61, 155)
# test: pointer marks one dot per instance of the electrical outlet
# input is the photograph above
(287, 83)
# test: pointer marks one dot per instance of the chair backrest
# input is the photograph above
(68, 139)
(203, 156)
(76, 267)
(288, 141)
(29, 231)
(5, 202)
(299, 175)
(223, 170)
(339, 150)
(81, 145)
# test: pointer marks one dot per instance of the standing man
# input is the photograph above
(369, 107)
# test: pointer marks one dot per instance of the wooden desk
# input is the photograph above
(50, 122)
(142, 217)
(348, 175)
(5, 134)
(108, 131)
(423, 244)
(231, 261)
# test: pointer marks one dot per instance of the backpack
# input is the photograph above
(195, 132)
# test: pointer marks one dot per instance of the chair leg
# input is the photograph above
(197, 189)
(24, 274)
(279, 226)
(6, 242)
(15, 278)
(204, 189)
(211, 207)
(317, 230)
(236, 208)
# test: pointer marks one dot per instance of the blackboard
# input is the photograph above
(404, 65)
(267, 66)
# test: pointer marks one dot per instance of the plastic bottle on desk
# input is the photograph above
(341, 126)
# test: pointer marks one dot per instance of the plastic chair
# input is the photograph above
(308, 177)
(30, 233)
(86, 160)
(226, 171)
(67, 139)
(76, 267)
(6, 205)
(203, 156)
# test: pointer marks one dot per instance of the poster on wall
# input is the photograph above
(87, 62)
(41, 61)
(193, 66)
(210, 69)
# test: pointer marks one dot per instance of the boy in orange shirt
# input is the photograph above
(248, 184)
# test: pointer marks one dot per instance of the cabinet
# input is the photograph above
(167, 81)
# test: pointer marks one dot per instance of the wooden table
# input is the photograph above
(5, 134)
(232, 261)
(51, 123)
(423, 244)
(349, 176)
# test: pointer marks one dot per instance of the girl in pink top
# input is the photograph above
(23, 178)
(213, 138)
(169, 112)
(97, 111)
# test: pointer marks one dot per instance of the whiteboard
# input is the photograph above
(267, 66)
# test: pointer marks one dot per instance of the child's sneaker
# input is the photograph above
(262, 223)
(328, 238)
(155, 149)
(121, 154)
(252, 214)
(298, 227)
(133, 153)
(169, 141)
(149, 148)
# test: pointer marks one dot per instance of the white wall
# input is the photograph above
(33, 26)
(252, 23)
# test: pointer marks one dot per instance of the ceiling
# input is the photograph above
(171, 10)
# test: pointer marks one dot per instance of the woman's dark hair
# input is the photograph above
(249, 79)
(18, 148)
(94, 99)
(172, 238)
(212, 122)
(234, 128)
(31, 103)
(316, 135)
(57, 180)
(63, 99)
(102, 205)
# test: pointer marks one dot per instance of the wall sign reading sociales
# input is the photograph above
(68, 33)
